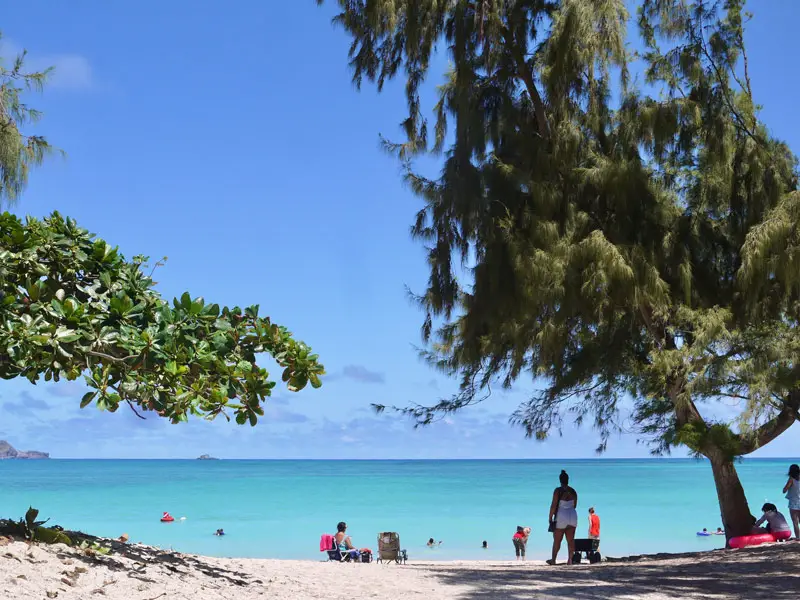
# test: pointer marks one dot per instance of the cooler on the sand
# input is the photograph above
(587, 547)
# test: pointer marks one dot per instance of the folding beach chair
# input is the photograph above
(336, 552)
(389, 548)
(327, 543)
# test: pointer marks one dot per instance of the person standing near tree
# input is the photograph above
(563, 517)
(792, 491)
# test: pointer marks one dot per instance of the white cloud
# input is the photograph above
(71, 72)
(65, 389)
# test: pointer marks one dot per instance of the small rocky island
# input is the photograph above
(206, 457)
(7, 451)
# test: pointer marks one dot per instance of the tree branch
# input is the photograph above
(686, 411)
(729, 103)
(133, 408)
(736, 396)
(527, 77)
(746, 64)
(774, 427)
(738, 80)
(109, 357)
(580, 391)
(650, 326)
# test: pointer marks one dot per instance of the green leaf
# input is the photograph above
(66, 335)
(87, 398)
(244, 366)
(171, 367)
(56, 305)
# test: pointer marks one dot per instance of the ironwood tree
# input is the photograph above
(619, 227)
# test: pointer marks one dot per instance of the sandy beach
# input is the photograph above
(143, 573)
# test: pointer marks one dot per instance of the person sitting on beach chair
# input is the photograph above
(344, 542)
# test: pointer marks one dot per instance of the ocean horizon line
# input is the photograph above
(376, 460)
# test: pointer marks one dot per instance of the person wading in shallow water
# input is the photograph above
(563, 517)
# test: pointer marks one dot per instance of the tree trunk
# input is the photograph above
(736, 516)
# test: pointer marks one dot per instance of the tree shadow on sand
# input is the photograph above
(759, 573)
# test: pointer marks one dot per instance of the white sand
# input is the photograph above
(40, 571)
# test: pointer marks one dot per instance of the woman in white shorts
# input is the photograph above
(792, 491)
(564, 516)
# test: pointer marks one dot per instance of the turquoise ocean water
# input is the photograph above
(278, 509)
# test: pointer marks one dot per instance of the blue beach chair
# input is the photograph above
(337, 552)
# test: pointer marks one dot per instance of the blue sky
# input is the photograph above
(234, 143)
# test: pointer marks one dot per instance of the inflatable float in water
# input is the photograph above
(703, 534)
(167, 518)
(759, 538)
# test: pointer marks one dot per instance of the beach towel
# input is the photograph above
(325, 542)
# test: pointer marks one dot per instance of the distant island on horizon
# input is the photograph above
(8, 452)
(206, 457)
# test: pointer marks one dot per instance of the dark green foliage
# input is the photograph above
(640, 247)
(71, 305)
(29, 523)
(32, 530)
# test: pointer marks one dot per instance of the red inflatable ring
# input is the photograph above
(760, 538)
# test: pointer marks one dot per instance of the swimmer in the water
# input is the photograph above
(485, 545)
(432, 543)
